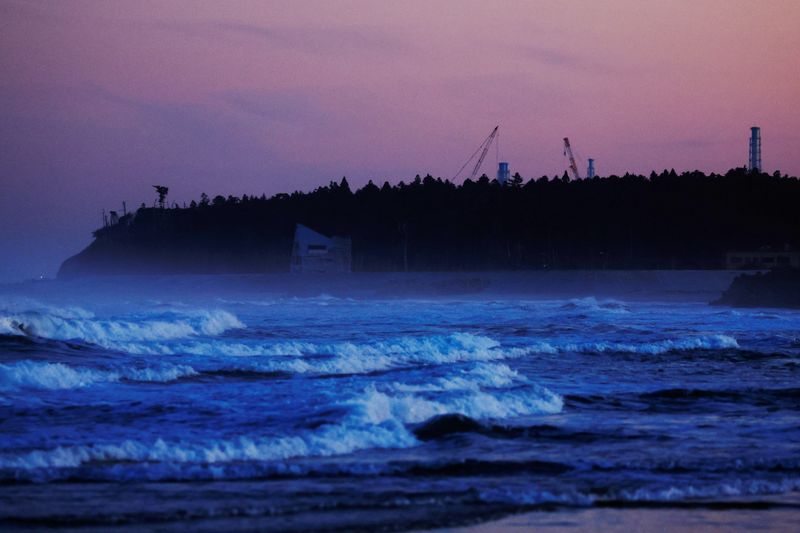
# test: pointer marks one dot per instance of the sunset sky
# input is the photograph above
(100, 100)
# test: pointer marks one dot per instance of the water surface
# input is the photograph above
(248, 406)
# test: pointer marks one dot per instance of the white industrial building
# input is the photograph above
(315, 252)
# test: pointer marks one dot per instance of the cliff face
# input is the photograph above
(117, 258)
(662, 222)
(169, 241)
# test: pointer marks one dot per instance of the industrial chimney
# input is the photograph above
(590, 171)
(503, 173)
(754, 164)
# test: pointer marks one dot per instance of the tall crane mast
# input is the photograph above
(572, 166)
(483, 149)
(487, 145)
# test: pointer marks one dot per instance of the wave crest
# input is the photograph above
(696, 342)
(700, 342)
(73, 323)
(29, 374)
(378, 407)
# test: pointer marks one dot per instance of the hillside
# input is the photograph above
(666, 220)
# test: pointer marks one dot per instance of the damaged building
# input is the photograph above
(318, 253)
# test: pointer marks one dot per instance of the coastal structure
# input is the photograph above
(754, 162)
(431, 225)
(483, 149)
(573, 167)
(315, 252)
(763, 259)
(503, 174)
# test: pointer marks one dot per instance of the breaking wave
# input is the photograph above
(329, 440)
(58, 376)
(375, 419)
(343, 357)
(72, 323)
(591, 303)
(379, 406)
(495, 375)
(353, 358)
(733, 487)
(709, 342)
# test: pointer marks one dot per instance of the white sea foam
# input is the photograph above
(379, 407)
(360, 358)
(495, 375)
(733, 487)
(696, 342)
(38, 375)
(707, 342)
(355, 358)
(340, 358)
(591, 303)
(334, 439)
(442, 348)
(724, 490)
(161, 374)
(375, 420)
(78, 324)
(55, 376)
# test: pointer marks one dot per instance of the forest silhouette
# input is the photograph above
(661, 221)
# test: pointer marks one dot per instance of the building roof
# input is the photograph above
(305, 236)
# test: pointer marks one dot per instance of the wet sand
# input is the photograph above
(751, 516)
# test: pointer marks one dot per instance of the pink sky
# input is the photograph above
(100, 100)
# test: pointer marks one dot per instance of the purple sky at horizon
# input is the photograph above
(101, 100)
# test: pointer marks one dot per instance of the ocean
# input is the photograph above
(388, 402)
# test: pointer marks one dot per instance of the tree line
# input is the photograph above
(664, 220)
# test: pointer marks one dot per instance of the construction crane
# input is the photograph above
(483, 149)
(572, 166)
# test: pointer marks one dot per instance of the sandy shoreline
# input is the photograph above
(757, 514)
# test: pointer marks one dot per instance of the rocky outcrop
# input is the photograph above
(777, 288)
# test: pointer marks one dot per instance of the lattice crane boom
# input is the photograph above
(572, 166)
(487, 145)
(483, 149)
